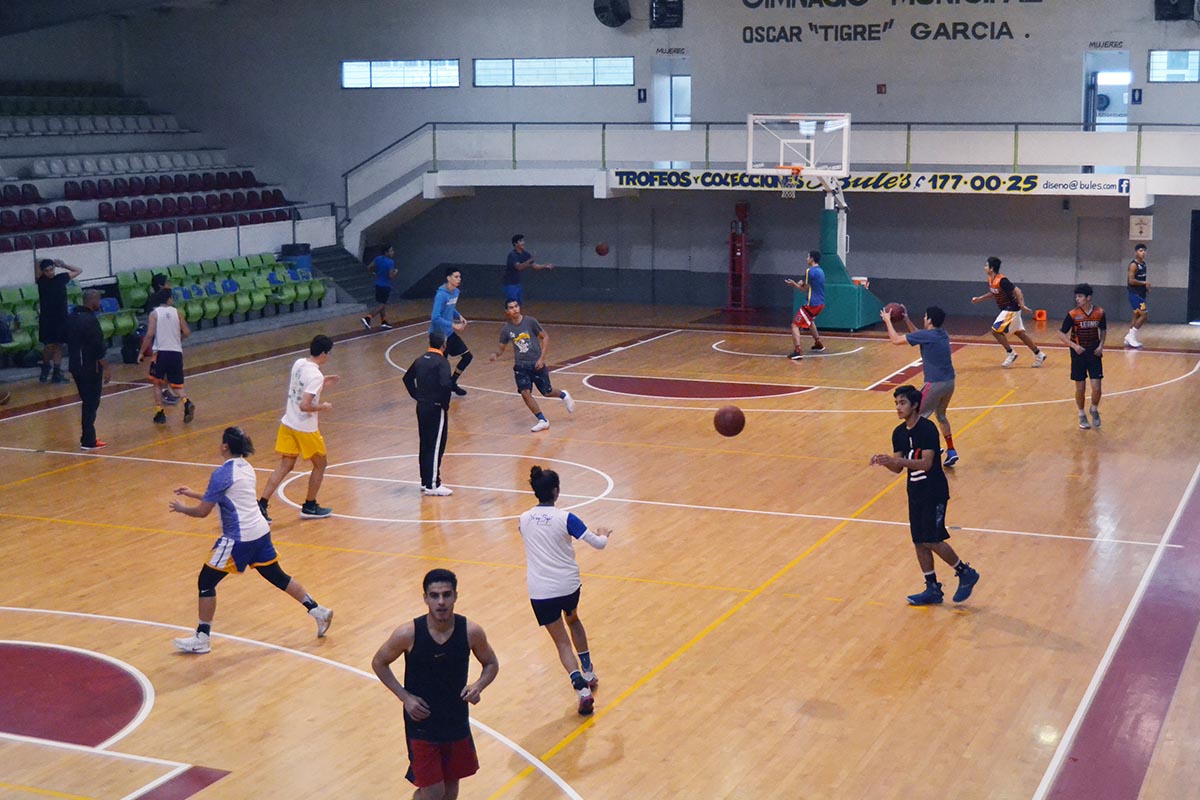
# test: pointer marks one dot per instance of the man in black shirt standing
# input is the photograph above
(917, 448)
(429, 383)
(52, 314)
(88, 364)
(435, 693)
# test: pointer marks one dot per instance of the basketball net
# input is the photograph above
(789, 183)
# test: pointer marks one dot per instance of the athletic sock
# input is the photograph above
(1008, 349)
(931, 577)
(309, 603)
(1094, 409)
(959, 567)
(205, 628)
(949, 442)
(585, 660)
(562, 395)
(542, 417)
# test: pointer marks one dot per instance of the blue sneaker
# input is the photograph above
(966, 583)
(932, 596)
(951, 458)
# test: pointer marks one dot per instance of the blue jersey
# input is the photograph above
(935, 353)
(815, 278)
(445, 311)
(232, 488)
(383, 271)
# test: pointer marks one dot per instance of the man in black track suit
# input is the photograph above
(429, 383)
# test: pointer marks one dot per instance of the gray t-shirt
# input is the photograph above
(527, 347)
(935, 353)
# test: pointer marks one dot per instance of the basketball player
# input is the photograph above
(165, 331)
(1087, 327)
(245, 539)
(939, 370)
(529, 341)
(916, 448)
(52, 315)
(427, 380)
(552, 575)
(298, 436)
(446, 320)
(384, 269)
(435, 693)
(518, 261)
(813, 283)
(1138, 287)
(1011, 301)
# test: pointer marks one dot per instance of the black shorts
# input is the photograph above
(52, 330)
(927, 521)
(455, 346)
(528, 377)
(1088, 365)
(382, 293)
(167, 367)
(553, 608)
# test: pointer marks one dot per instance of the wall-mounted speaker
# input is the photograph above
(1165, 10)
(613, 13)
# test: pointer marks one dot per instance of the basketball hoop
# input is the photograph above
(790, 183)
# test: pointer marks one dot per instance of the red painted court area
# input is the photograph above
(683, 389)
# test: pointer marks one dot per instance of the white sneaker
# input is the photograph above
(1095, 418)
(1039, 358)
(1083, 422)
(541, 425)
(568, 401)
(197, 643)
(324, 618)
(1009, 359)
(439, 491)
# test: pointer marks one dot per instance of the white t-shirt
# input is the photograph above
(550, 534)
(232, 488)
(307, 378)
(166, 330)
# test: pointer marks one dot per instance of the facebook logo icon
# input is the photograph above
(1123, 186)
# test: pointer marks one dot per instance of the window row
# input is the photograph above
(1174, 66)
(422, 74)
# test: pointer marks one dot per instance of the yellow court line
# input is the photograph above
(356, 551)
(712, 626)
(43, 792)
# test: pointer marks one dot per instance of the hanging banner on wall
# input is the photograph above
(1003, 183)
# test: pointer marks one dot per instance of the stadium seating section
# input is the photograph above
(217, 291)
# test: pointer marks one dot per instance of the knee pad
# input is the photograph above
(465, 361)
(208, 580)
(275, 575)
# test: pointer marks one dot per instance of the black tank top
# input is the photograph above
(437, 674)
(1139, 273)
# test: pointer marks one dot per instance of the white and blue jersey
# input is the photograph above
(233, 489)
(445, 311)
(550, 534)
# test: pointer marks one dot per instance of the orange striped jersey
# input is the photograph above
(1002, 292)
(1085, 326)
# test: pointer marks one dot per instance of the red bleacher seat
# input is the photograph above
(88, 189)
(256, 218)
(212, 203)
(78, 236)
(59, 239)
(239, 200)
(229, 221)
(11, 195)
(29, 194)
(137, 230)
(253, 199)
(120, 187)
(137, 208)
(181, 182)
(106, 212)
(222, 180)
(226, 201)
(277, 198)
(168, 226)
(235, 180)
(248, 179)
(22, 243)
(214, 223)
(154, 207)
(45, 218)
(9, 221)
(71, 190)
(104, 188)
(208, 181)
(6, 246)
(150, 185)
(243, 219)
(137, 186)
(63, 218)
(153, 229)
(42, 241)
(183, 225)
(122, 209)
(95, 235)
(183, 205)
(170, 207)
(199, 224)
(27, 219)
(195, 183)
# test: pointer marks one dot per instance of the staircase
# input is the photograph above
(351, 279)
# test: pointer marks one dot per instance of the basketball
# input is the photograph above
(896, 311)
(729, 420)
(602, 249)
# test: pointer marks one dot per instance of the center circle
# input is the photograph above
(608, 481)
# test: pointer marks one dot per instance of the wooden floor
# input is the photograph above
(748, 620)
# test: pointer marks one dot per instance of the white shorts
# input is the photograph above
(1008, 322)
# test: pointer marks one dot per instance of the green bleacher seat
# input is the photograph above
(144, 276)
(318, 288)
(29, 293)
(124, 322)
(227, 266)
(107, 325)
(11, 296)
(177, 273)
(193, 270)
(253, 261)
(208, 268)
(240, 264)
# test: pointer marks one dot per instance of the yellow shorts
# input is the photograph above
(289, 442)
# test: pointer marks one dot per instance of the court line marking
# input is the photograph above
(1135, 602)
(142, 681)
(534, 763)
(82, 748)
(621, 349)
(706, 630)
(591, 498)
(43, 792)
(774, 355)
(154, 784)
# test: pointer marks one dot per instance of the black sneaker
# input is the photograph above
(160, 418)
(44, 375)
(189, 411)
(458, 390)
(930, 597)
(262, 506)
(796, 355)
(366, 321)
(58, 377)
(966, 583)
(310, 510)
(387, 326)
(817, 348)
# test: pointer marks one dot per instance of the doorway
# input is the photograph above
(1193, 297)
(1106, 79)
(671, 85)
